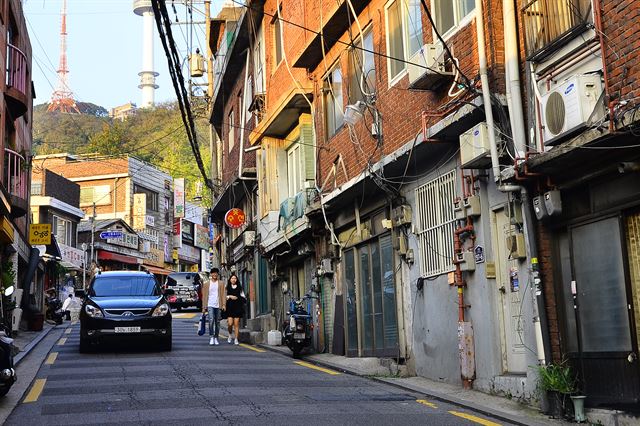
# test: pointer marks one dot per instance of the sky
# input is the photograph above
(104, 49)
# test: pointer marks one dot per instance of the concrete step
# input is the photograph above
(250, 337)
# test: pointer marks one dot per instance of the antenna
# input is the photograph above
(62, 98)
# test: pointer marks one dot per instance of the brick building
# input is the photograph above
(438, 174)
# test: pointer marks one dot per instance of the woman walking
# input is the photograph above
(235, 307)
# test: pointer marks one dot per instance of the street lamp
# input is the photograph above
(84, 266)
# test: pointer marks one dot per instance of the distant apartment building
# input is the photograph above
(123, 112)
(16, 110)
(128, 189)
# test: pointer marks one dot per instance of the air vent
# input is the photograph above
(555, 113)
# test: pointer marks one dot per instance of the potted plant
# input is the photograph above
(559, 382)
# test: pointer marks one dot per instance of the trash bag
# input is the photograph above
(203, 325)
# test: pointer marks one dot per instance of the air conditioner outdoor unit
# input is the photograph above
(249, 238)
(427, 68)
(570, 107)
(475, 149)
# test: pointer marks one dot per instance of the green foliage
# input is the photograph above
(557, 378)
(154, 135)
(7, 273)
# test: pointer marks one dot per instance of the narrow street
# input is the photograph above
(201, 384)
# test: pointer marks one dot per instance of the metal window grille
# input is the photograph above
(436, 224)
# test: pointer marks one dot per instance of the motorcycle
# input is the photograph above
(54, 310)
(298, 331)
(7, 371)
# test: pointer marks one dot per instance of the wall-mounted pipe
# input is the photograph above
(512, 71)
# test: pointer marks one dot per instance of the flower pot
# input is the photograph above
(556, 404)
(578, 408)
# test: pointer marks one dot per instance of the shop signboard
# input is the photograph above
(201, 238)
(178, 197)
(71, 255)
(40, 233)
(126, 240)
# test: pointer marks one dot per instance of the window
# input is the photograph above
(436, 224)
(362, 70)
(62, 230)
(404, 34)
(277, 42)
(258, 62)
(333, 102)
(152, 197)
(232, 131)
(36, 188)
(101, 195)
(448, 14)
(294, 173)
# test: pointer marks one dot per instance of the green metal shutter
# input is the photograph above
(308, 148)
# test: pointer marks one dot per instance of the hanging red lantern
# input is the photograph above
(234, 218)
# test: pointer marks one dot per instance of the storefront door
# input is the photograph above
(607, 353)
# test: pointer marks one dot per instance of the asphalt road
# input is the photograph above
(198, 384)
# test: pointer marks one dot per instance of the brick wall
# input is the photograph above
(54, 185)
(546, 260)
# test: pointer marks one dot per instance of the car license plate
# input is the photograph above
(298, 335)
(127, 329)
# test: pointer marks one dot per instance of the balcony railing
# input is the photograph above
(16, 69)
(548, 23)
(15, 174)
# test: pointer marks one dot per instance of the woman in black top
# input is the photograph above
(235, 306)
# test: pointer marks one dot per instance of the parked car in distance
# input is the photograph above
(125, 305)
(187, 287)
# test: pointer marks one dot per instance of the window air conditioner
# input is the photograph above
(570, 107)
(427, 68)
(475, 149)
(249, 238)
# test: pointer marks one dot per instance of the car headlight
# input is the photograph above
(93, 311)
(160, 310)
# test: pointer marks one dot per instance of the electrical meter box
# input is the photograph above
(553, 202)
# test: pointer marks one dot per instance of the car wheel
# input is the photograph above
(85, 345)
(165, 344)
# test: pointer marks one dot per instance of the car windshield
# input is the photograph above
(124, 286)
(183, 280)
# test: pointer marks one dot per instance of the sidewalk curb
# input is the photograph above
(441, 397)
(22, 354)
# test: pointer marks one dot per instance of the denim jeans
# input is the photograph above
(214, 321)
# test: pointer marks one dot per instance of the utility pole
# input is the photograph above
(212, 137)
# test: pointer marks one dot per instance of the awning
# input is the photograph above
(107, 255)
(156, 270)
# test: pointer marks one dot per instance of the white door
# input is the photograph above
(510, 293)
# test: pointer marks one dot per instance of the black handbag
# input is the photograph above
(223, 314)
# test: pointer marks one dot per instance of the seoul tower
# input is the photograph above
(62, 97)
(147, 75)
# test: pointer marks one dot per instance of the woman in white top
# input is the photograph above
(214, 300)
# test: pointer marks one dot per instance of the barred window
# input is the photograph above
(436, 224)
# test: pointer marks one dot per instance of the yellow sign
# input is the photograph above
(39, 233)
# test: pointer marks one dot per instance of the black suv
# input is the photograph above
(187, 287)
(124, 304)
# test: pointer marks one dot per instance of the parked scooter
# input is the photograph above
(7, 371)
(298, 330)
(54, 309)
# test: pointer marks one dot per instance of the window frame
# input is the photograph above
(353, 78)
(67, 239)
(328, 89)
(294, 163)
(459, 21)
(152, 197)
(231, 130)
(99, 202)
(278, 40)
(404, 23)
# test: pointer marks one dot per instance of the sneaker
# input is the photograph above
(236, 342)
(212, 341)
(215, 341)
(229, 339)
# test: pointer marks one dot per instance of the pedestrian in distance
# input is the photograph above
(235, 307)
(213, 301)
(66, 307)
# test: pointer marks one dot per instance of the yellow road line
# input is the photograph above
(185, 315)
(315, 367)
(52, 358)
(475, 419)
(253, 348)
(62, 341)
(67, 331)
(427, 403)
(35, 391)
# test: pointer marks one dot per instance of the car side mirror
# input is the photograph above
(169, 292)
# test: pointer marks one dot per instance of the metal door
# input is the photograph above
(607, 349)
(510, 294)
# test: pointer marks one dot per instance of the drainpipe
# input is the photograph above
(486, 95)
(244, 118)
(516, 115)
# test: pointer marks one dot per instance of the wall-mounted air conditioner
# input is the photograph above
(475, 150)
(427, 68)
(249, 238)
(571, 106)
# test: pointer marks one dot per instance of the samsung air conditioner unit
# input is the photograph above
(475, 149)
(570, 107)
(427, 68)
